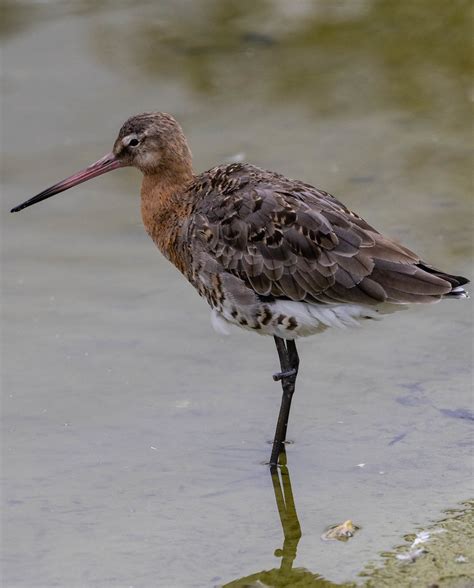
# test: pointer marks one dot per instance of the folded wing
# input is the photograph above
(286, 239)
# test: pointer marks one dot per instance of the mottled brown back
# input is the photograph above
(286, 239)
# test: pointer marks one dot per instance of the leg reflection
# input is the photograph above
(285, 576)
(288, 516)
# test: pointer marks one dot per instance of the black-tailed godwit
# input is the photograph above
(269, 254)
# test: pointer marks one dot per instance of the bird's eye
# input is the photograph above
(133, 143)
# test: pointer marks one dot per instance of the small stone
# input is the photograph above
(341, 532)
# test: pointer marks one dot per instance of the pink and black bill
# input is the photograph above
(102, 166)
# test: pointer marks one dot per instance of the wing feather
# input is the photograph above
(284, 238)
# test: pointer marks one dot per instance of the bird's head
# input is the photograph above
(153, 142)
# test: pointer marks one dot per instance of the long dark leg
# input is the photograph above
(289, 362)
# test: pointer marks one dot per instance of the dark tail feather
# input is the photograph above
(457, 291)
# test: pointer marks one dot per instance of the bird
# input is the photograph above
(269, 254)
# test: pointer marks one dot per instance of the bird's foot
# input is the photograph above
(286, 374)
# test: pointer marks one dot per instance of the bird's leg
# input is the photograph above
(293, 356)
(289, 362)
(288, 358)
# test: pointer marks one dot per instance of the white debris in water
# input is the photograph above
(460, 559)
(411, 556)
(154, 448)
(360, 465)
(420, 538)
(182, 404)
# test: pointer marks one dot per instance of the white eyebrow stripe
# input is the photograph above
(126, 140)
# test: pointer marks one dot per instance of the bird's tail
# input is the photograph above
(457, 282)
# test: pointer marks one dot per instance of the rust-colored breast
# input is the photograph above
(165, 212)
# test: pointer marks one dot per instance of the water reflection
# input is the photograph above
(286, 574)
(282, 55)
(288, 515)
(280, 52)
(443, 554)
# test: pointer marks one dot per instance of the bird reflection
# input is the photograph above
(285, 575)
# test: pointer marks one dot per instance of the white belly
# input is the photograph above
(290, 319)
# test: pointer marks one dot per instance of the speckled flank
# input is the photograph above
(290, 319)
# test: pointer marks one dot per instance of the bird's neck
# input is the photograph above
(165, 205)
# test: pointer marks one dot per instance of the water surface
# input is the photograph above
(134, 436)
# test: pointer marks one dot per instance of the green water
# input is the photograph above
(133, 436)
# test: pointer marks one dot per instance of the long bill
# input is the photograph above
(102, 166)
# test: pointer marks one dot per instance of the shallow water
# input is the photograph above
(133, 435)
